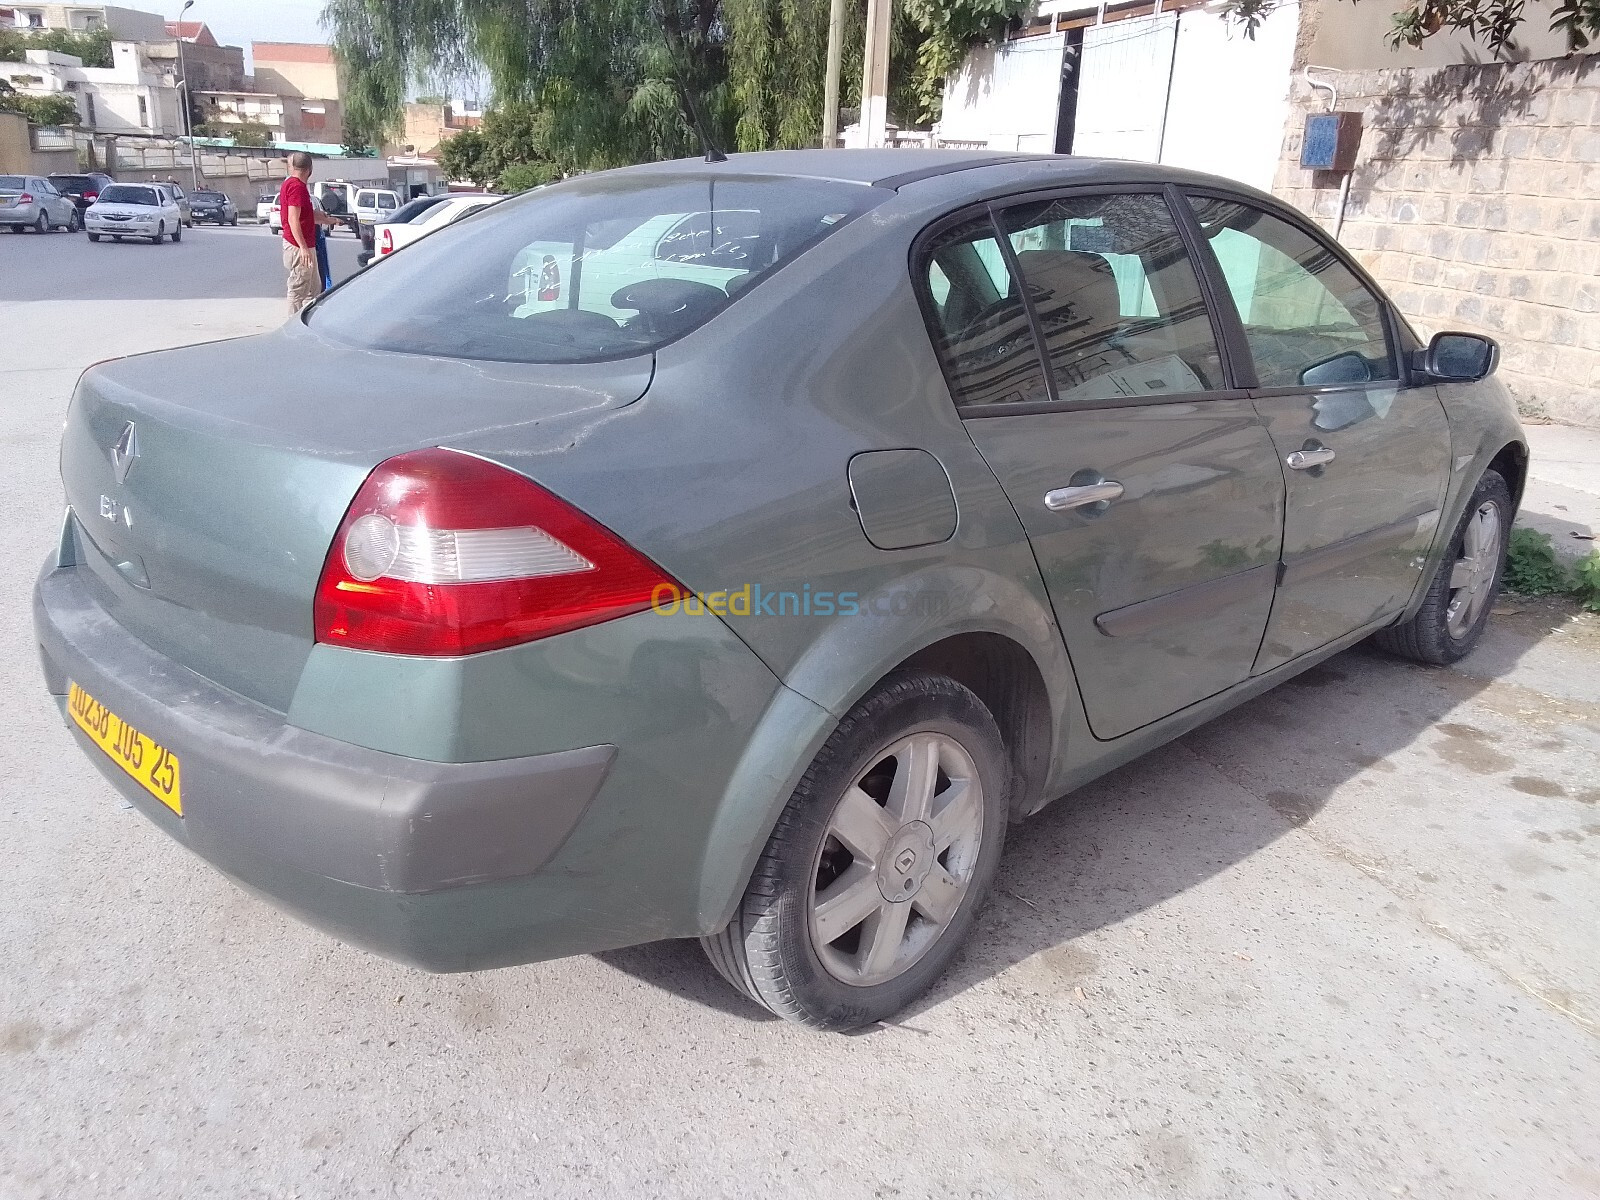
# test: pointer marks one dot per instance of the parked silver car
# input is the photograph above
(32, 202)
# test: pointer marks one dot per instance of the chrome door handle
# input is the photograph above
(1304, 460)
(1103, 492)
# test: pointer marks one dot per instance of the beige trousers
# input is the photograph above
(305, 283)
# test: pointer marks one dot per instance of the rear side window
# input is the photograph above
(979, 325)
(576, 272)
(1307, 317)
(1119, 304)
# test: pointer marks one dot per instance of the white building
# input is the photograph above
(131, 23)
(133, 95)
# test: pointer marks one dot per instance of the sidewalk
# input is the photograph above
(1562, 497)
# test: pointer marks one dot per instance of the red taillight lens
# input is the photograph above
(442, 553)
(25, 198)
(386, 241)
(91, 196)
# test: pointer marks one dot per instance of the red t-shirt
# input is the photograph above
(295, 192)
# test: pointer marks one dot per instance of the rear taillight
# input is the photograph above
(91, 197)
(25, 198)
(386, 241)
(442, 553)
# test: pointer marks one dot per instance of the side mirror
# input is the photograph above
(1459, 357)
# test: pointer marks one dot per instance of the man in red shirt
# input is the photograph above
(299, 233)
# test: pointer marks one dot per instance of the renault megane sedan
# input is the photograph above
(735, 550)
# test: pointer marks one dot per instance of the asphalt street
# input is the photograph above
(1338, 943)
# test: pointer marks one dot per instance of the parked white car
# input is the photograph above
(143, 210)
(374, 204)
(392, 236)
(266, 208)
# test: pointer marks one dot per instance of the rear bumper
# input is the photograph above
(425, 862)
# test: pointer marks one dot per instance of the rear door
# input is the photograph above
(1148, 487)
(1365, 458)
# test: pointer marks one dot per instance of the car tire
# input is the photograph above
(177, 233)
(94, 237)
(1455, 608)
(75, 222)
(234, 222)
(882, 954)
(42, 225)
(160, 235)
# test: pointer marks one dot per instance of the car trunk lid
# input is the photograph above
(207, 483)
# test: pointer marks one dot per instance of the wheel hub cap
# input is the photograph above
(906, 861)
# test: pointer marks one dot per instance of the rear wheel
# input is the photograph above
(878, 864)
(1456, 607)
(177, 233)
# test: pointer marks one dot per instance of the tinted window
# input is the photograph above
(979, 325)
(569, 273)
(73, 185)
(122, 193)
(1308, 319)
(1119, 304)
(11, 182)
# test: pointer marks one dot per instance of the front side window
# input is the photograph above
(1307, 317)
(975, 313)
(574, 273)
(1119, 304)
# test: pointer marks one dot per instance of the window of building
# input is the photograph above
(144, 112)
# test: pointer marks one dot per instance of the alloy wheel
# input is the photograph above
(1472, 576)
(897, 859)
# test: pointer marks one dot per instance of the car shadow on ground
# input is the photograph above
(1175, 817)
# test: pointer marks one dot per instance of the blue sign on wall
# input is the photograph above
(1330, 141)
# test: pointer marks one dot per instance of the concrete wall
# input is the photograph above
(1476, 202)
(1337, 33)
(15, 150)
(295, 69)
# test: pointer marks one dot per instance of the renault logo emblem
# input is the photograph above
(124, 452)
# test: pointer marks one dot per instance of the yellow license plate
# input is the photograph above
(152, 765)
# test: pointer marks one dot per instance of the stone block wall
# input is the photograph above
(1476, 202)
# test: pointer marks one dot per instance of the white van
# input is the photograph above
(374, 204)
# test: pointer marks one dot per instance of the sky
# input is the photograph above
(240, 22)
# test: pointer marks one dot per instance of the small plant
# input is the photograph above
(1586, 582)
(1531, 566)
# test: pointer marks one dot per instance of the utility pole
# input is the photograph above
(183, 99)
(830, 87)
(875, 74)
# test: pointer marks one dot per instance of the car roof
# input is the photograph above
(897, 168)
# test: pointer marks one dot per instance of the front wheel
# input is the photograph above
(94, 237)
(161, 234)
(878, 864)
(75, 222)
(42, 225)
(1456, 607)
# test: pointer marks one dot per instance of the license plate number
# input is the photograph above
(152, 766)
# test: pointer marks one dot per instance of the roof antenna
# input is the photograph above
(691, 106)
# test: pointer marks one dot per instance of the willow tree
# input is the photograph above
(628, 80)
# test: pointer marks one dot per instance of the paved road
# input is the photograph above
(210, 263)
(1340, 943)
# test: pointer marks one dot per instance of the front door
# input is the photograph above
(1150, 493)
(1365, 459)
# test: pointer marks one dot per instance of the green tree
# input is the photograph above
(621, 81)
(93, 47)
(521, 176)
(41, 110)
(465, 156)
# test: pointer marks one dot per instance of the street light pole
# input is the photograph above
(183, 98)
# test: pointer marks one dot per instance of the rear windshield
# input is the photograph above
(206, 196)
(122, 193)
(602, 266)
(12, 183)
(75, 184)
